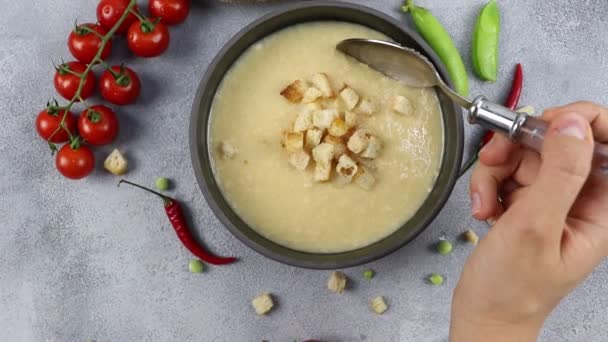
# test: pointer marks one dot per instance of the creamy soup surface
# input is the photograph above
(284, 204)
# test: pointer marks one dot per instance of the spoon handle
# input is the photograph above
(526, 130)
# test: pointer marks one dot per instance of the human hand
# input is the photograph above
(551, 228)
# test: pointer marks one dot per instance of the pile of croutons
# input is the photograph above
(327, 131)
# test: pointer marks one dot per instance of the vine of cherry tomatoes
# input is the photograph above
(91, 44)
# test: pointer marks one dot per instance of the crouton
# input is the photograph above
(299, 160)
(378, 305)
(323, 118)
(471, 237)
(337, 282)
(227, 150)
(322, 172)
(262, 304)
(350, 119)
(313, 106)
(357, 143)
(295, 91)
(364, 178)
(321, 81)
(323, 154)
(338, 143)
(346, 168)
(367, 107)
(338, 127)
(116, 163)
(402, 105)
(372, 151)
(311, 95)
(313, 137)
(303, 120)
(293, 141)
(350, 97)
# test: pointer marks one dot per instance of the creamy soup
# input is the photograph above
(287, 205)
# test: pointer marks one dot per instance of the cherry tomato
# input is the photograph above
(84, 44)
(121, 86)
(109, 11)
(48, 122)
(75, 162)
(98, 125)
(148, 39)
(171, 12)
(66, 83)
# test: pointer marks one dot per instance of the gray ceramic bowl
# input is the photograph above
(199, 124)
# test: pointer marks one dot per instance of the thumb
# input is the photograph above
(566, 156)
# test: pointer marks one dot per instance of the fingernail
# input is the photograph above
(475, 203)
(572, 126)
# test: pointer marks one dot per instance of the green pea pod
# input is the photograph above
(485, 42)
(439, 39)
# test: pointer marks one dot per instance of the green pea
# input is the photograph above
(196, 266)
(368, 274)
(439, 39)
(436, 279)
(444, 247)
(162, 183)
(485, 42)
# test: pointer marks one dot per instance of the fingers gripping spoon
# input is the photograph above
(413, 69)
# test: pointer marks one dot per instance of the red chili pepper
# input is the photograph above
(512, 99)
(178, 221)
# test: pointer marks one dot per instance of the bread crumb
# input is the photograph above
(378, 305)
(303, 120)
(364, 179)
(262, 304)
(402, 105)
(357, 143)
(350, 119)
(116, 163)
(367, 107)
(313, 137)
(350, 98)
(311, 95)
(338, 143)
(337, 282)
(299, 160)
(323, 118)
(346, 168)
(321, 81)
(372, 151)
(293, 141)
(471, 237)
(227, 150)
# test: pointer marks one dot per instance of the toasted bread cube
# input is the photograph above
(350, 119)
(116, 163)
(303, 120)
(293, 141)
(323, 154)
(347, 168)
(322, 172)
(337, 282)
(372, 151)
(227, 150)
(364, 178)
(367, 107)
(295, 91)
(402, 105)
(378, 305)
(311, 95)
(338, 127)
(323, 118)
(262, 304)
(338, 143)
(350, 97)
(471, 237)
(358, 142)
(299, 160)
(313, 137)
(321, 81)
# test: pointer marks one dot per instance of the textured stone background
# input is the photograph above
(85, 259)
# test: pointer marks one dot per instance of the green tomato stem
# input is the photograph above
(104, 41)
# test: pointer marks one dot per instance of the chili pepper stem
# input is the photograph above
(166, 199)
(104, 41)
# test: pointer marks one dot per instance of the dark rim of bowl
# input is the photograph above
(310, 11)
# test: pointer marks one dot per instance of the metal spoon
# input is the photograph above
(413, 69)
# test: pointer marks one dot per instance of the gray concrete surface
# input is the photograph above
(86, 260)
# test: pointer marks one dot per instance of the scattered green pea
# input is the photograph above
(368, 274)
(436, 279)
(196, 266)
(162, 183)
(444, 247)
